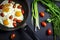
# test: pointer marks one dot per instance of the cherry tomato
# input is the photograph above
(13, 36)
(2, 14)
(23, 12)
(44, 24)
(9, 1)
(11, 17)
(14, 19)
(1, 6)
(19, 7)
(19, 21)
(49, 32)
(42, 14)
(14, 24)
(14, 5)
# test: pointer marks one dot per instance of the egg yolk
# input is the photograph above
(5, 22)
(5, 9)
(18, 13)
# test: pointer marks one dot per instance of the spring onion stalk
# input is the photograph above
(35, 15)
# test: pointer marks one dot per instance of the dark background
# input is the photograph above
(22, 35)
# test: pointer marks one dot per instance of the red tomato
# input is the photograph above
(9, 1)
(2, 14)
(14, 24)
(14, 19)
(44, 24)
(14, 6)
(11, 17)
(19, 21)
(1, 6)
(13, 36)
(23, 12)
(19, 7)
(42, 14)
(49, 32)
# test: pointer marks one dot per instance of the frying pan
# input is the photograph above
(22, 25)
(19, 25)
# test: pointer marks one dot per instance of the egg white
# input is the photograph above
(1, 21)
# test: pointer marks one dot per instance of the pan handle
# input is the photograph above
(31, 33)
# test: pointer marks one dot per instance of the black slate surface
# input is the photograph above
(22, 35)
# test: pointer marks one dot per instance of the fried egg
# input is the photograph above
(8, 10)
(7, 22)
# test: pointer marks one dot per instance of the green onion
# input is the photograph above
(35, 15)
